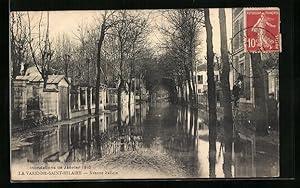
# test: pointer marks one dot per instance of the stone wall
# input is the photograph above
(19, 101)
(75, 114)
(49, 102)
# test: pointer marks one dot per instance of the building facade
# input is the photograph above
(30, 95)
(202, 83)
(59, 99)
(241, 63)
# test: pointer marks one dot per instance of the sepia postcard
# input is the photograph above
(144, 94)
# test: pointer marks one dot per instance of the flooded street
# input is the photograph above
(158, 141)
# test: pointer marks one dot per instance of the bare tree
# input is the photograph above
(125, 41)
(41, 47)
(85, 53)
(19, 43)
(105, 25)
(226, 98)
(259, 85)
(182, 39)
(137, 42)
(212, 113)
(63, 54)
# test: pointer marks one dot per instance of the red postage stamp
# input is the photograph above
(262, 30)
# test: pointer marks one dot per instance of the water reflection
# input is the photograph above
(164, 137)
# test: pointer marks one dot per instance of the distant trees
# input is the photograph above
(181, 42)
(19, 43)
(84, 54)
(112, 50)
(126, 42)
(63, 55)
(40, 46)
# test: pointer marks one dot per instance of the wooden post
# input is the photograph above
(91, 98)
(85, 98)
(78, 98)
(69, 103)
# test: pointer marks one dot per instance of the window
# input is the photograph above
(217, 77)
(236, 61)
(200, 79)
(236, 35)
(199, 90)
(241, 34)
(242, 69)
(18, 92)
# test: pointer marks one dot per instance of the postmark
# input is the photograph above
(263, 30)
(246, 40)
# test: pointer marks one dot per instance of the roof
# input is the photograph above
(32, 71)
(52, 79)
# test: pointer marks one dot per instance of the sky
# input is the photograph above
(214, 18)
(68, 21)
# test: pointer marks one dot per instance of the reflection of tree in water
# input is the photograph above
(227, 165)
(116, 139)
(149, 129)
(181, 141)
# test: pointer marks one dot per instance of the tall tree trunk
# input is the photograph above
(193, 88)
(45, 79)
(186, 97)
(261, 122)
(141, 90)
(228, 122)
(129, 101)
(195, 127)
(96, 137)
(129, 91)
(192, 52)
(188, 77)
(182, 93)
(100, 42)
(212, 112)
(120, 88)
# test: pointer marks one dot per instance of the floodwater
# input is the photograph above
(158, 141)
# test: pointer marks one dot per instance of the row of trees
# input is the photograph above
(114, 50)
(180, 57)
(181, 47)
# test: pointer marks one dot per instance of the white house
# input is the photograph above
(202, 84)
